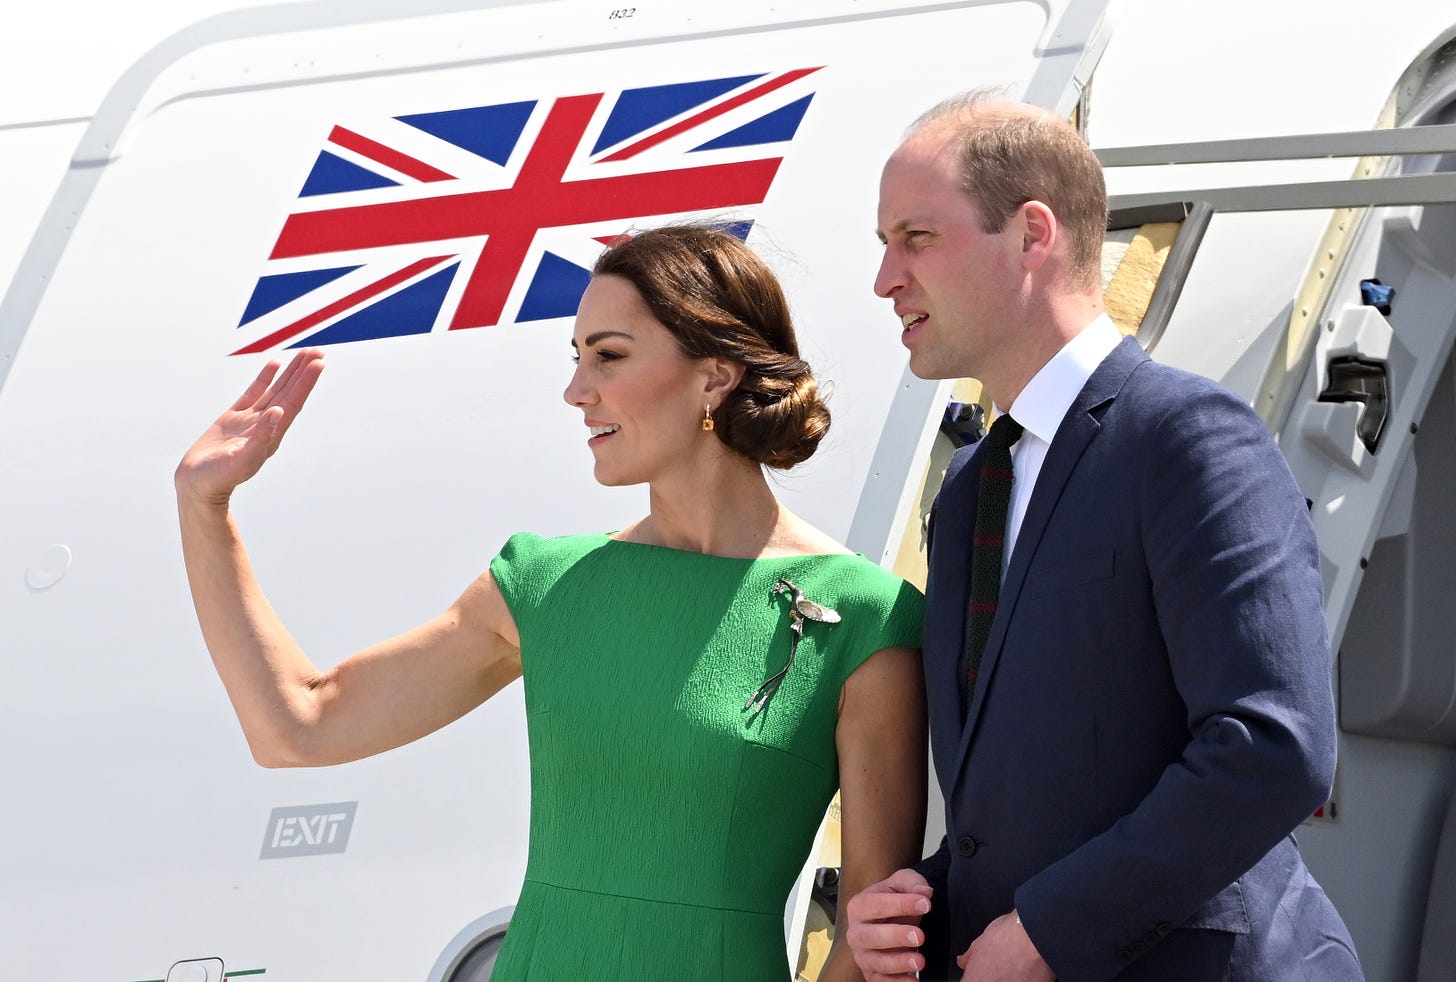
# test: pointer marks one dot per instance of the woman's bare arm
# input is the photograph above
(292, 714)
(881, 738)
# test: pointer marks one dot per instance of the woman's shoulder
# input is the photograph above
(876, 608)
(532, 543)
(848, 574)
(854, 578)
(531, 540)
(534, 555)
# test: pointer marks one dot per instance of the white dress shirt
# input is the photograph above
(1040, 408)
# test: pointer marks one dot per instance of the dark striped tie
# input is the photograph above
(992, 502)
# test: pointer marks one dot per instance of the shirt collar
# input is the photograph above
(1046, 398)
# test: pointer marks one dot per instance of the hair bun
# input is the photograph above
(776, 418)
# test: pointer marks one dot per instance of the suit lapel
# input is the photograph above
(1075, 434)
(952, 523)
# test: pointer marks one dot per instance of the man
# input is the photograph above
(1130, 725)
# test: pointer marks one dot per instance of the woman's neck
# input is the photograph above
(720, 504)
(724, 509)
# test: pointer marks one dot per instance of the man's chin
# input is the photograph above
(925, 367)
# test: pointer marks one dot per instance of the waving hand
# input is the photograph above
(293, 714)
(235, 446)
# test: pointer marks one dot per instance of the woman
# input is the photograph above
(697, 683)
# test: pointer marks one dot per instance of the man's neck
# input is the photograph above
(1064, 318)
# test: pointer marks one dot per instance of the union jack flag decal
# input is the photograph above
(473, 217)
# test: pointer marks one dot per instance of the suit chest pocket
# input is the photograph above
(1091, 572)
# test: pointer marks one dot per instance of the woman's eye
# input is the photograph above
(598, 354)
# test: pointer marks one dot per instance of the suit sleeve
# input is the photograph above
(936, 924)
(1234, 574)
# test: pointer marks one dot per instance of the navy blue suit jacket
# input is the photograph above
(1154, 713)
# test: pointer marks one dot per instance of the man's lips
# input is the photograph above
(912, 325)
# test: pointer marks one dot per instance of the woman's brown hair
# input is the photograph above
(720, 300)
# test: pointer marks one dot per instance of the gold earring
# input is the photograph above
(707, 419)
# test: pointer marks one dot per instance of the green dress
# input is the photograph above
(668, 822)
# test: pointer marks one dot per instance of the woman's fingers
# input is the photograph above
(236, 445)
(277, 393)
(304, 375)
(254, 393)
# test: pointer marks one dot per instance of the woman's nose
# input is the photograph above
(578, 393)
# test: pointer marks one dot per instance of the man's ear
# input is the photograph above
(722, 378)
(1040, 232)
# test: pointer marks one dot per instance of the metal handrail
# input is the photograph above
(1360, 143)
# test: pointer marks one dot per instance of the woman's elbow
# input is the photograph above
(284, 750)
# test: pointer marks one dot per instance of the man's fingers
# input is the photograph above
(885, 938)
(907, 881)
(884, 932)
(870, 906)
(891, 965)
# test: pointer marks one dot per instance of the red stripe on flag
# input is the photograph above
(389, 157)
(483, 213)
(709, 113)
(504, 253)
(339, 306)
(510, 218)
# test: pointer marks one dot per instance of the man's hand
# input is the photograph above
(1004, 953)
(884, 932)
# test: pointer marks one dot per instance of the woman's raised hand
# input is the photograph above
(235, 446)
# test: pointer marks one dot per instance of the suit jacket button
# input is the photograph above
(1164, 927)
(967, 845)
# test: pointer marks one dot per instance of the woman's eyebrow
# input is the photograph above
(592, 339)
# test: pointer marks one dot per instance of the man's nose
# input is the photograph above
(890, 277)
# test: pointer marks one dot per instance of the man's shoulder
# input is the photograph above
(1156, 390)
(1154, 379)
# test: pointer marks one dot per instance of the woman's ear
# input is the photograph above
(723, 376)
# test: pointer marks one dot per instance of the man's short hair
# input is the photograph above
(1012, 153)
